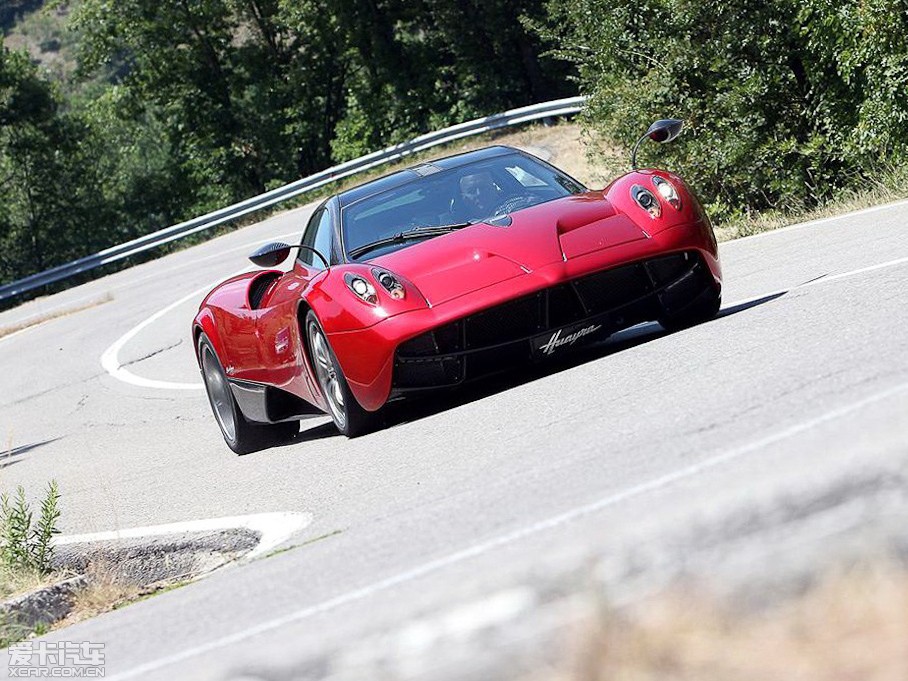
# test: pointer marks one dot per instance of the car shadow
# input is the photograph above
(430, 403)
(316, 428)
(321, 431)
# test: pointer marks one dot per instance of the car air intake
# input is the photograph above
(499, 338)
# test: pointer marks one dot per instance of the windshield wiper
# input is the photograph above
(407, 235)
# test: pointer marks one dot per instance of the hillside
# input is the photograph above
(12, 11)
(41, 31)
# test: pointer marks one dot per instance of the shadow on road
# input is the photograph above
(433, 403)
(429, 403)
(319, 432)
(740, 307)
(13, 455)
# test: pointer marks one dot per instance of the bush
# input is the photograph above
(785, 102)
(24, 545)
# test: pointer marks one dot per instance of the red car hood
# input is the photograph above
(475, 257)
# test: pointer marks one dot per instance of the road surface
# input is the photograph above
(799, 387)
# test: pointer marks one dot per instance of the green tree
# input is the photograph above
(785, 101)
(419, 66)
(50, 206)
(243, 98)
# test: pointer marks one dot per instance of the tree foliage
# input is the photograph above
(183, 106)
(47, 175)
(785, 101)
(73, 180)
(187, 105)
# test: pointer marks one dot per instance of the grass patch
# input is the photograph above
(849, 625)
(107, 589)
(892, 185)
(14, 582)
(42, 318)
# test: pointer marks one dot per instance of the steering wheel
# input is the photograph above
(512, 204)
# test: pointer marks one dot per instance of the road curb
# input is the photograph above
(44, 605)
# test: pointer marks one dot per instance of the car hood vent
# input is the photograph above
(472, 258)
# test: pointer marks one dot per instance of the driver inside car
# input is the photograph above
(480, 195)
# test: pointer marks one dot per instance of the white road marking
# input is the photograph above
(111, 363)
(852, 273)
(110, 360)
(132, 282)
(510, 538)
(819, 221)
(819, 281)
(274, 529)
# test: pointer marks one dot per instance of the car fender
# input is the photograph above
(689, 212)
(339, 309)
(206, 323)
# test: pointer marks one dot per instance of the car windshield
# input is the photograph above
(449, 198)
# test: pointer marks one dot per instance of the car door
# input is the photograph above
(278, 330)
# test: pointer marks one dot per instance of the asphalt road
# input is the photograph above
(800, 385)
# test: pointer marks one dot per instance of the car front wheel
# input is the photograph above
(349, 417)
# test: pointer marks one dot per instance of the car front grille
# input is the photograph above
(499, 338)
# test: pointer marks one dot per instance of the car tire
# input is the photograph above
(348, 415)
(241, 435)
(703, 308)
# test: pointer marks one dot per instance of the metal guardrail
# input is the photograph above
(558, 107)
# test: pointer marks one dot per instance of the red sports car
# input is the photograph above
(442, 273)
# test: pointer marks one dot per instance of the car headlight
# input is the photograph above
(390, 283)
(646, 200)
(667, 191)
(361, 288)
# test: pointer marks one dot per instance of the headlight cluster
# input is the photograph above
(667, 191)
(389, 282)
(648, 201)
(363, 289)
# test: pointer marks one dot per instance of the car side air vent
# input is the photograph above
(260, 286)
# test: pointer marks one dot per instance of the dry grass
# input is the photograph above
(15, 582)
(42, 318)
(106, 590)
(851, 626)
(888, 187)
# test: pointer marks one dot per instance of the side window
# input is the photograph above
(318, 235)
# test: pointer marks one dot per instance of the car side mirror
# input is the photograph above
(665, 130)
(662, 131)
(271, 255)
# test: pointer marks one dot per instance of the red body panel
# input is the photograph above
(445, 278)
